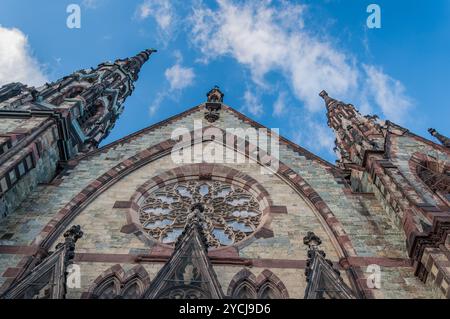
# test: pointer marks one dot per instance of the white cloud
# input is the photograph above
(154, 107)
(16, 61)
(266, 38)
(314, 135)
(179, 77)
(144, 10)
(163, 13)
(280, 104)
(252, 103)
(272, 36)
(388, 93)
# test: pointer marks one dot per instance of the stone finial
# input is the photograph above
(323, 94)
(194, 221)
(214, 104)
(312, 240)
(215, 95)
(74, 233)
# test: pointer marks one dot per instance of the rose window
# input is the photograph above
(230, 213)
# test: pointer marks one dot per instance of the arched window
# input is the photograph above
(92, 114)
(269, 291)
(108, 289)
(132, 291)
(116, 283)
(74, 92)
(269, 286)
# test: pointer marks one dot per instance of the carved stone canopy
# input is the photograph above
(324, 281)
(47, 280)
(189, 273)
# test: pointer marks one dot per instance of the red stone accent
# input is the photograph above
(277, 210)
(104, 258)
(161, 251)
(122, 204)
(264, 232)
(11, 272)
(18, 250)
(129, 228)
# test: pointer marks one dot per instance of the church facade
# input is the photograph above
(147, 217)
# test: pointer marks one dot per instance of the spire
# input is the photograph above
(443, 139)
(329, 102)
(88, 101)
(188, 273)
(133, 65)
(355, 134)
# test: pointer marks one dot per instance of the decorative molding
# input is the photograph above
(188, 273)
(267, 283)
(191, 172)
(122, 282)
(324, 281)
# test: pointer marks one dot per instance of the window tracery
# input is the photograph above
(231, 213)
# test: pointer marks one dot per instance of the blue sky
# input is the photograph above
(271, 58)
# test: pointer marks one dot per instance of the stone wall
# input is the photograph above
(45, 155)
(374, 237)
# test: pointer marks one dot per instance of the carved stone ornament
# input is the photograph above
(324, 281)
(230, 212)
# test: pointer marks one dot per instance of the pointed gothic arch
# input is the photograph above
(244, 290)
(135, 283)
(132, 289)
(116, 283)
(109, 289)
(243, 285)
(267, 285)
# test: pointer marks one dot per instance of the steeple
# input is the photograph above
(355, 134)
(57, 121)
(89, 101)
(443, 139)
(134, 64)
(188, 274)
